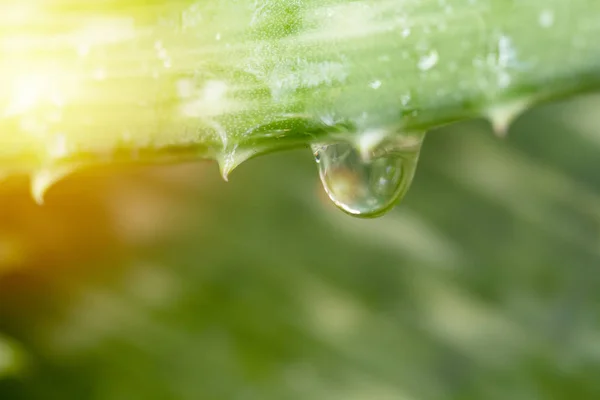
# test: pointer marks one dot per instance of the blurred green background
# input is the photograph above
(167, 283)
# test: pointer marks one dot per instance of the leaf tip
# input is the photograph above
(502, 116)
(44, 179)
(229, 161)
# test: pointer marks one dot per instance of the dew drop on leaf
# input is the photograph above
(368, 183)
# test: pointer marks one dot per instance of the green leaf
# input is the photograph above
(166, 80)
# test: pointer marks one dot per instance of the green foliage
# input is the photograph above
(167, 80)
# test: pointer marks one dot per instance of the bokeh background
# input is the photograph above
(167, 283)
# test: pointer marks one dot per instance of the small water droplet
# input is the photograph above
(546, 18)
(375, 84)
(428, 61)
(405, 99)
(368, 184)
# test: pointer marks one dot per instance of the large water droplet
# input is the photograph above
(368, 182)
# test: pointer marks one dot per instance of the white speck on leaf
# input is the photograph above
(210, 100)
(428, 61)
(375, 84)
(546, 19)
(506, 52)
(405, 99)
(504, 61)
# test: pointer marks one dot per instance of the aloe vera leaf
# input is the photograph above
(106, 81)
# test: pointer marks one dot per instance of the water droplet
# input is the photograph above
(375, 84)
(546, 18)
(428, 61)
(368, 183)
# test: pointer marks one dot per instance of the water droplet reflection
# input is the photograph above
(368, 184)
